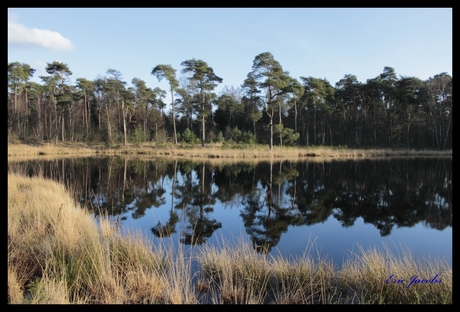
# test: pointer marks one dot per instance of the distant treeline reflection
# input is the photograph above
(270, 196)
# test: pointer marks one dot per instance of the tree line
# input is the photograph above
(269, 107)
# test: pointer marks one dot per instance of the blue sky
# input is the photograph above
(322, 43)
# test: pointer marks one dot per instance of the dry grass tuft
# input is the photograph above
(370, 276)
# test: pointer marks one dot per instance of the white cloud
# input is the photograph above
(20, 35)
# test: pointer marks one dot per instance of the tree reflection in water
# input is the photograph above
(268, 196)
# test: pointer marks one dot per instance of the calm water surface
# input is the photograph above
(285, 208)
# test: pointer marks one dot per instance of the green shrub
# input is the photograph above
(288, 135)
(189, 137)
(220, 137)
(241, 137)
(138, 136)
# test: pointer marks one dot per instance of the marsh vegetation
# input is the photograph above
(60, 253)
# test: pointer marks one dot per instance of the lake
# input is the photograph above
(290, 207)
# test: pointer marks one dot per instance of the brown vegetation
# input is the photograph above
(214, 152)
(58, 253)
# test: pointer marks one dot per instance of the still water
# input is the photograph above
(289, 208)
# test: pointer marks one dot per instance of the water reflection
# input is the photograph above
(269, 197)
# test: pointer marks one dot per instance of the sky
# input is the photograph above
(318, 42)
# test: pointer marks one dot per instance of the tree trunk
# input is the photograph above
(145, 122)
(16, 110)
(307, 133)
(271, 132)
(407, 135)
(344, 115)
(109, 126)
(390, 130)
(124, 119)
(314, 127)
(26, 113)
(87, 114)
(72, 126)
(301, 128)
(62, 126)
(330, 132)
(99, 122)
(40, 126)
(203, 127)
(295, 121)
(45, 125)
(280, 113)
(270, 113)
(49, 129)
(203, 120)
(254, 123)
(408, 124)
(56, 125)
(173, 117)
(375, 127)
(356, 124)
(323, 130)
(447, 133)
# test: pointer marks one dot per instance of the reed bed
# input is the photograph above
(49, 149)
(59, 253)
(213, 151)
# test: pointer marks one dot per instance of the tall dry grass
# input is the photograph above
(49, 149)
(379, 276)
(59, 253)
(212, 151)
(235, 274)
(257, 152)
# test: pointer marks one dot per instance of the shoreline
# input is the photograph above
(211, 152)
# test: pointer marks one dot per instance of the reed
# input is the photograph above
(49, 149)
(59, 253)
(254, 152)
(378, 276)
(234, 274)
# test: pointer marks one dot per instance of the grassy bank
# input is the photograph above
(210, 151)
(58, 253)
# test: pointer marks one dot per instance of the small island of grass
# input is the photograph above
(210, 151)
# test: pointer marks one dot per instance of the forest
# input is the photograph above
(269, 107)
